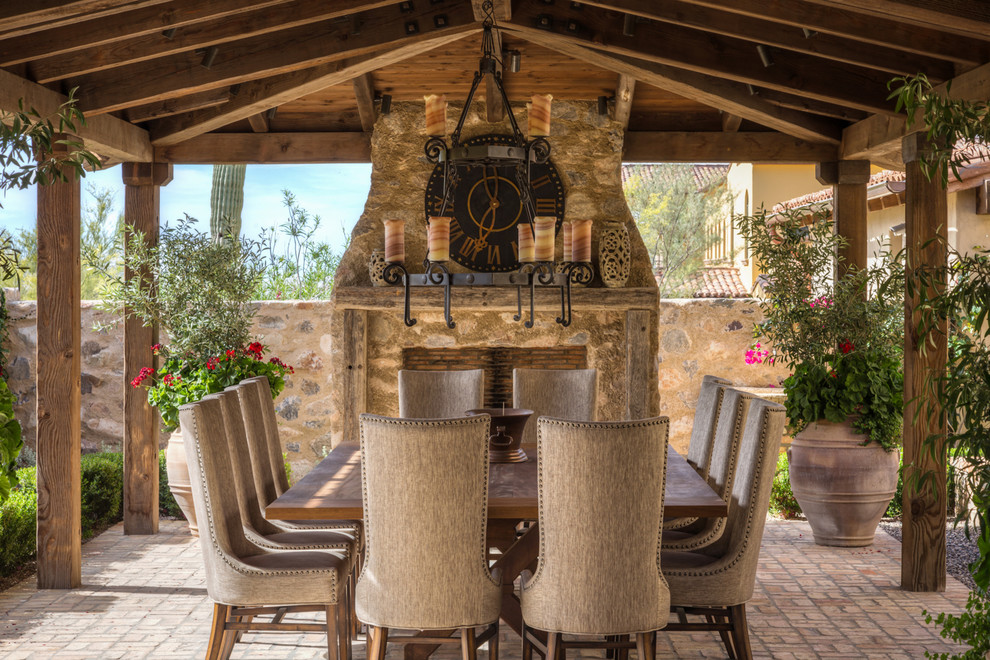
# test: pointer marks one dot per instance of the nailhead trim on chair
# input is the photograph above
(212, 528)
(751, 513)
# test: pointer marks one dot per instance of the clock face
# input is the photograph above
(486, 206)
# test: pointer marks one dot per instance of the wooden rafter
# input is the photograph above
(625, 88)
(829, 46)
(341, 147)
(20, 16)
(222, 30)
(169, 107)
(107, 136)
(260, 95)
(267, 55)
(878, 138)
(692, 147)
(364, 94)
(960, 17)
(502, 10)
(814, 106)
(720, 94)
(259, 122)
(833, 20)
(730, 122)
(703, 53)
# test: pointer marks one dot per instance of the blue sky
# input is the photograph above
(336, 193)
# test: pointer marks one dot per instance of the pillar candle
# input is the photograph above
(581, 241)
(395, 241)
(436, 115)
(439, 238)
(544, 238)
(539, 115)
(568, 241)
(527, 246)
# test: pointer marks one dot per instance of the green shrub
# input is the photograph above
(167, 505)
(102, 491)
(782, 502)
(18, 524)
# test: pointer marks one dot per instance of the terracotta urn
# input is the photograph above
(842, 485)
(178, 479)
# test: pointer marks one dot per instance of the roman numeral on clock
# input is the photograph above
(546, 206)
(542, 181)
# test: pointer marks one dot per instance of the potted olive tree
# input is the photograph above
(842, 338)
(199, 291)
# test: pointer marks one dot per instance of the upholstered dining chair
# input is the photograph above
(718, 580)
(601, 484)
(425, 487)
(699, 454)
(561, 393)
(440, 394)
(243, 579)
(728, 433)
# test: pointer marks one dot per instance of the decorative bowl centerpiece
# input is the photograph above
(505, 434)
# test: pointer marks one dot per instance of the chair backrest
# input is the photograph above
(440, 394)
(425, 487)
(706, 412)
(738, 548)
(560, 393)
(255, 431)
(600, 522)
(274, 443)
(252, 515)
(221, 535)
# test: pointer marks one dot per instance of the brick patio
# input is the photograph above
(144, 597)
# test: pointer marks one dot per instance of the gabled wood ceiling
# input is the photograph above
(217, 80)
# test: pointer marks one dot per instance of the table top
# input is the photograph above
(332, 490)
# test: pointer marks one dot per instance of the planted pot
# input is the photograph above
(178, 479)
(842, 485)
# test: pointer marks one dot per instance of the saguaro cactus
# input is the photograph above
(227, 200)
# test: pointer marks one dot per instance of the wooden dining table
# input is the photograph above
(332, 491)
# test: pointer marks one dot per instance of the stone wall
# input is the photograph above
(695, 337)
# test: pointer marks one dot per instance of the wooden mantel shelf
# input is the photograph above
(494, 299)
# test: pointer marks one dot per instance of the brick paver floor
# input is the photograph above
(145, 597)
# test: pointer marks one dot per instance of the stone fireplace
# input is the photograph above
(614, 329)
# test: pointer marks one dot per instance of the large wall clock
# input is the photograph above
(486, 207)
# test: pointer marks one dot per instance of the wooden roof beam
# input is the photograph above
(159, 109)
(494, 110)
(268, 148)
(260, 95)
(25, 16)
(958, 17)
(107, 136)
(625, 87)
(364, 93)
(693, 147)
(502, 9)
(878, 138)
(690, 49)
(724, 95)
(222, 30)
(267, 55)
(730, 122)
(883, 32)
(758, 30)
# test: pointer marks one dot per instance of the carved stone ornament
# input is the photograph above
(614, 253)
(376, 266)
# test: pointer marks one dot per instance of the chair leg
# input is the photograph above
(469, 649)
(527, 646)
(333, 633)
(621, 653)
(740, 632)
(378, 643)
(553, 646)
(220, 613)
(493, 644)
(724, 634)
(343, 630)
(646, 646)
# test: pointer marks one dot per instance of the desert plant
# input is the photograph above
(227, 200)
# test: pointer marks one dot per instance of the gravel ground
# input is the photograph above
(960, 552)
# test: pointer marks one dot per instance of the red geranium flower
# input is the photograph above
(846, 346)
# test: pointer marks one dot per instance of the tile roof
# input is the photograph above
(824, 195)
(705, 174)
(717, 282)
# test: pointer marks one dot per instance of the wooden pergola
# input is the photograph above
(301, 81)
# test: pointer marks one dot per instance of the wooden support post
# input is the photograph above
(923, 545)
(356, 377)
(494, 110)
(624, 90)
(640, 372)
(59, 421)
(364, 93)
(848, 179)
(142, 182)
